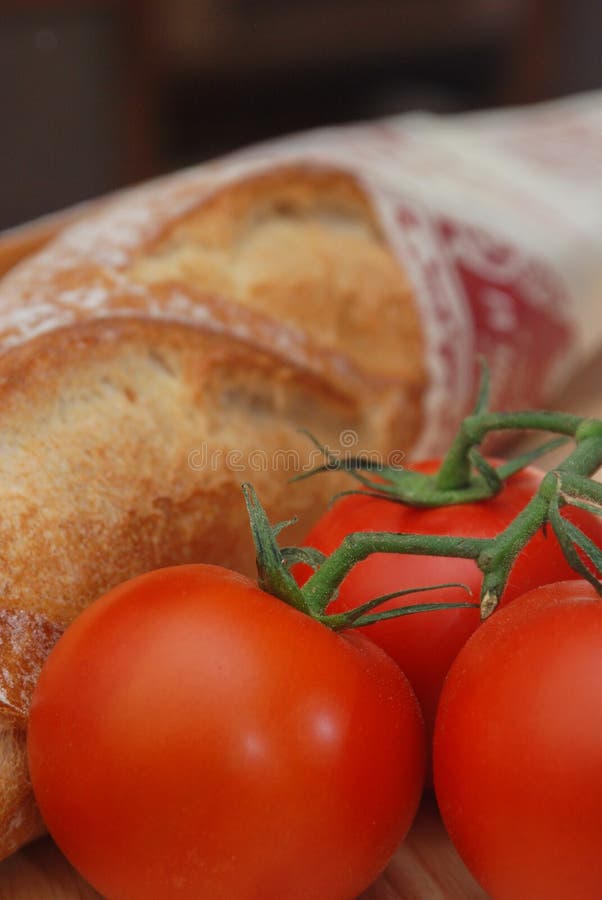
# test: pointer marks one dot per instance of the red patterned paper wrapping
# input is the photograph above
(497, 219)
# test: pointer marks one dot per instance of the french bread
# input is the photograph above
(152, 357)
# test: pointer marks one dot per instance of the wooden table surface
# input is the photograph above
(425, 867)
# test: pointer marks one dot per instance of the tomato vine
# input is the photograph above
(464, 476)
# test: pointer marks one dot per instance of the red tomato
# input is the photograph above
(518, 747)
(192, 737)
(425, 645)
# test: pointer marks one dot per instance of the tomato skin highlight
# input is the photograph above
(190, 736)
(518, 747)
(425, 645)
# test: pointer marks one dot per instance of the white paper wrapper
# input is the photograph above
(497, 218)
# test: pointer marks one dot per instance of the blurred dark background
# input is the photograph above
(96, 94)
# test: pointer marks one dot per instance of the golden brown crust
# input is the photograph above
(305, 243)
(20, 820)
(123, 451)
(168, 348)
(299, 246)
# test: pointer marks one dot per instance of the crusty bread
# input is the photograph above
(180, 324)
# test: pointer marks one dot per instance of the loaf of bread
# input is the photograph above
(155, 355)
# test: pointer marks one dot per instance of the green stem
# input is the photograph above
(455, 469)
(465, 475)
(342, 621)
(494, 556)
(586, 458)
(324, 583)
(579, 487)
(273, 574)
(496, 562)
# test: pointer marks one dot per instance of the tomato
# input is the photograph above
(191, 736)
(518, 747)
(425, 645)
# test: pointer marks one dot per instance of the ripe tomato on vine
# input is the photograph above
(425, 645)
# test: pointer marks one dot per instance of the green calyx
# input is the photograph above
(465, 476)
(274, 577)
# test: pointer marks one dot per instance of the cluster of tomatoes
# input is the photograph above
(192, 736)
